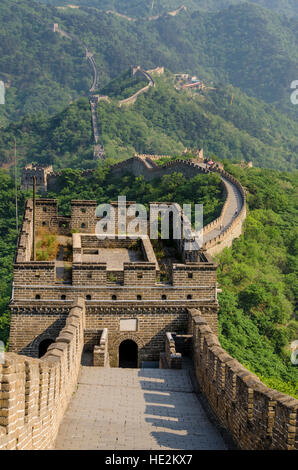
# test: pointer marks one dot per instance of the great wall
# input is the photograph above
(67, 384)
(218, 234)
(94, 99)
(169, 322)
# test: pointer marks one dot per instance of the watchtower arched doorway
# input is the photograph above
(128, 354)
(43, 346)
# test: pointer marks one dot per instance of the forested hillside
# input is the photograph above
(43, 71)
(259, 55)
(225, 122)
(258, 275)
(143, 8)
(124, 85)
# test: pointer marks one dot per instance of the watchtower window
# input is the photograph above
(44, 208)
(189, 297)
(88, 297)
(190, 275)
(140, 276)
(37, 297)
(139, 297)
(83, 210)
(44, 224)
(114, 297)
(89, 275)
(83, 225)
(63, 297)
(163, 297)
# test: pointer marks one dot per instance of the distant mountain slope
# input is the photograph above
(225, 122)
(245, 45)
(42, 71)
(138, 8)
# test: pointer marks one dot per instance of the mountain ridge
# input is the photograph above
(259, 54)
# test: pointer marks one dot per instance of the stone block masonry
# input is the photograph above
(34, 393)
(219, 234)
(114, 288)
(100, 352)
(257, 417)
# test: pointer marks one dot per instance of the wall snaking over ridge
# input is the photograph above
(143, 165)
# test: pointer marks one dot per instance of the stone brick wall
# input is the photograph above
(217, 222)
(256, 416)
(32, 321)
(134, 97)
(143, 165)
(101, 352)
(34, 393)
(140, 274)
(39, 272)
(89, 274)
(126, 293)
(140, 166)
(234, 230)
(41, 173)
(83, 216)
(191, 274)
(24, 243)
(152, 325)
(173, 358)
(29, 326)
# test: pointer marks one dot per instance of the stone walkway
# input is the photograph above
(235, 204)
(136, 409)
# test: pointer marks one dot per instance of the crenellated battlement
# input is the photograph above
(35, 392)
(257, 417)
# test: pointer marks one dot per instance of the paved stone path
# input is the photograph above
(114, 257)
(235, 204)
(136, 409)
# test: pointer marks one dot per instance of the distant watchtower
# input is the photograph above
(55, 27)
(41, 173)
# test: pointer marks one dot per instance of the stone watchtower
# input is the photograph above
(132, 296)
(40, 172)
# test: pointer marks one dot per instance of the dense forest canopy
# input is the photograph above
(258, 275)
(44, 72)
(41, 70)
(124, 85)
(225, 122)
(141, 8)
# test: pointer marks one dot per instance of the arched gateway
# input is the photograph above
(128, 354)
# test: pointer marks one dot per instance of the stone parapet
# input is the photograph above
(101, 351)
(257, 417)
(173, 358)
(34, 393)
